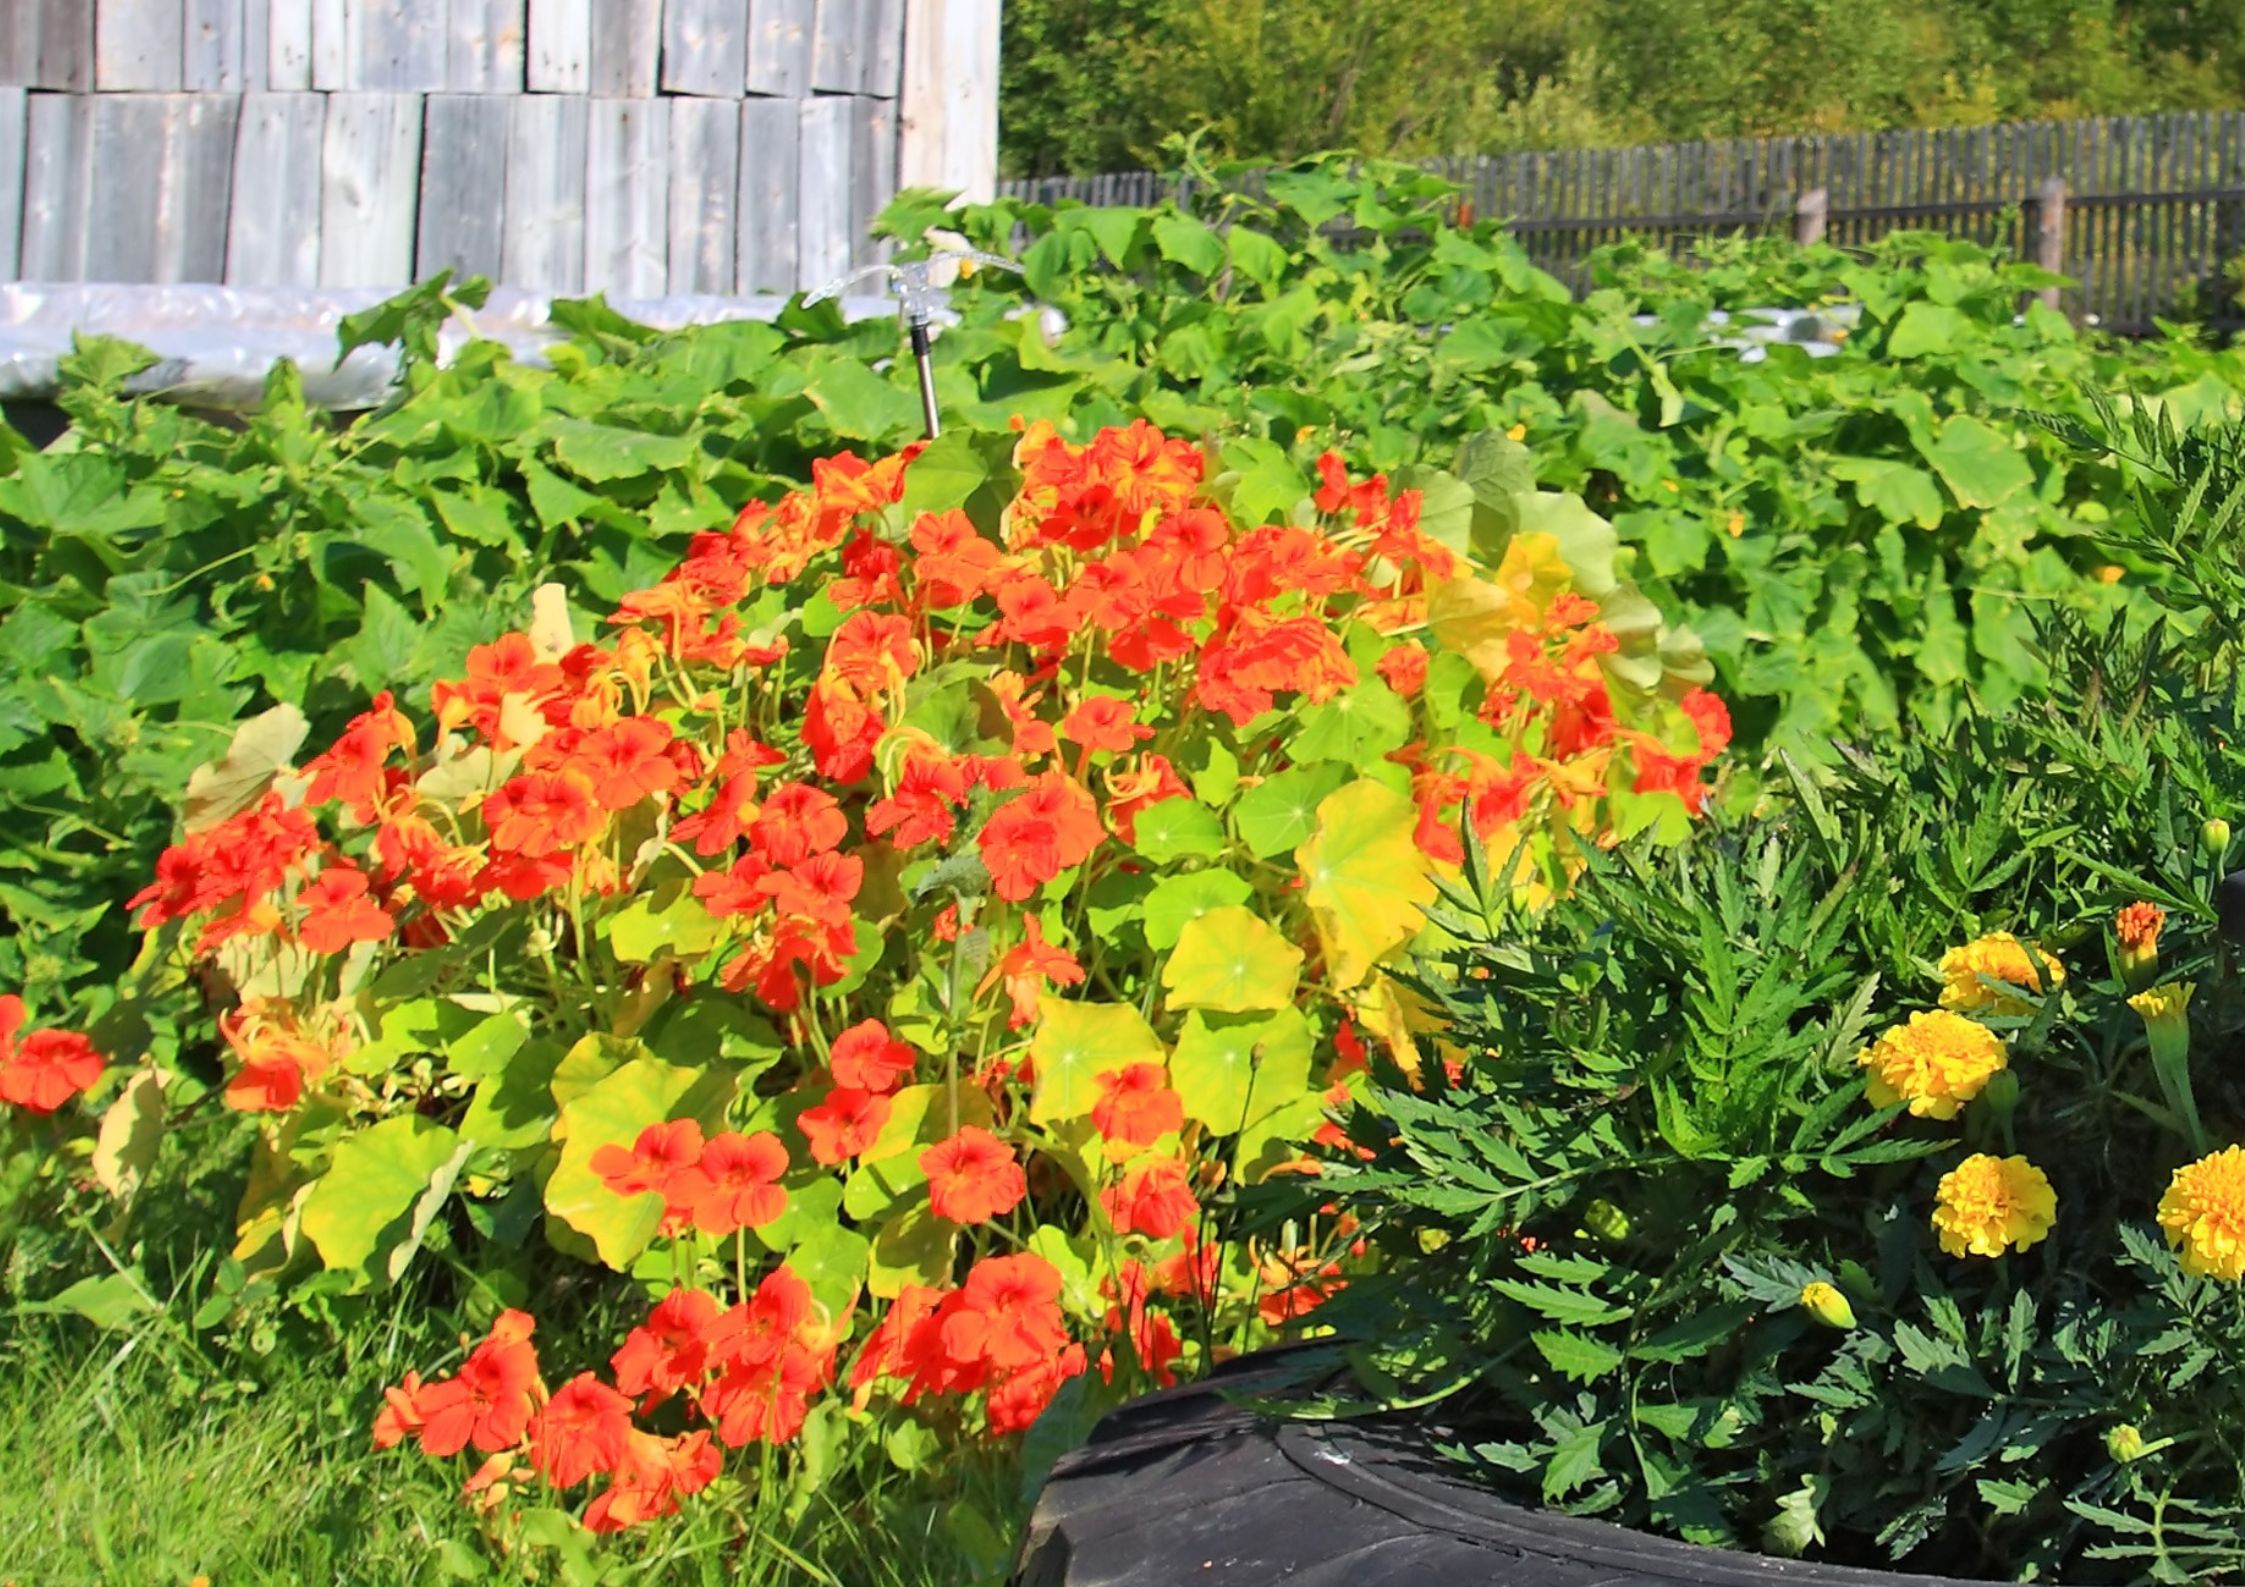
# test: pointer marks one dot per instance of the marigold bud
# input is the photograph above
(2214, 838)
(1607, 1221)
(2166, 1014)
(2138, 927)
(1827, 1305)
(2124, 1442)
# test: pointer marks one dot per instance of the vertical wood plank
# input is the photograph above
(543, 244)
(627, 198)
(288, 45)
(58, 174)
(170, 225)
(213, 36)
(273, 235)
(333, 51)
(872, 174)
(369, 154)
(771, 132)
(627, 48)
(949, 114)
(705, 47)
(779, 47)
(14, 116)
(463, 184)
(137, 45)
(19, 46)
(705, 151)
(560, 46)
(257, 30)
(822, 197)
(882, 70)
(837, 47)
(54, 42)
(484, 47)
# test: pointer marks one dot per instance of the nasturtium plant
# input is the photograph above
(891, 942)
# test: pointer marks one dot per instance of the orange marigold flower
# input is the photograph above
(1136, 1105)
(733, 1185)
(973, 1177)
(2138, 925)
(866, 1057)
(1987, 1205)
(542, 812)
(2203, 1214)
(1033, 837)
(1154, 1198)
(42, 1071)
(843, 1125)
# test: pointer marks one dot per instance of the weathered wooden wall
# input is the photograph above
(633, 147)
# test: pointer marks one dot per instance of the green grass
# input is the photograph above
(133, 1459)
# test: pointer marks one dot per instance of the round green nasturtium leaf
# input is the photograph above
(1232, 961)
(612, 1112)
(1178, 829)
(1364, 879)
(668, 920)
(913, 1247)
(1274, 816)
(1229, 1068)
(1078, 1042)
(369, 1211)
(1176, 900)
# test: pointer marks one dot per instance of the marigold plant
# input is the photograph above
(893, 939)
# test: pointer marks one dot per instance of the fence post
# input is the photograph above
(1812, 211)
(2044, 218)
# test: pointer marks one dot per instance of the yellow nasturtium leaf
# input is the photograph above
(1364, 879)
(1229, 1068)
(1232, 961)
(1476, 615)
(1078, 1042)
(612, 1113)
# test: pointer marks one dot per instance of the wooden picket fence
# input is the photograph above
(2152, 208)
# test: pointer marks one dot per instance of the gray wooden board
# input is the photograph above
(771, 134)
(214, 35)
(257, 36)
(288, 45)
(705, 47)
(397, 46)
(627, 48)
(463, 183)
(66, 44)
(822, 197)
(484, 47)
(705, 153)
(882, 69)
(332, 52)
(58, 174)
(627, 198)
(560, 46)
(14, 113)
(872, 173)
(543, 245)
(779, 47)
(838, 46)
(170, 225)
(368, 158)
(273, 236)
(137, 45)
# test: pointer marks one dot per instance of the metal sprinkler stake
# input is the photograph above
(922, 286)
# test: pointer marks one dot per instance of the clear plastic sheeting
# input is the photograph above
(216, 345)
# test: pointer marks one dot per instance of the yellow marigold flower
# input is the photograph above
(1999, 956)
(1989, 1205)
(2203, 1213)
(1936, 1061)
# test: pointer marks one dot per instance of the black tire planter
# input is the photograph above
(1185, 1487)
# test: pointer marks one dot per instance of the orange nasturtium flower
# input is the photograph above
(42, 1071)
(973, 1177)
(1136, 1106)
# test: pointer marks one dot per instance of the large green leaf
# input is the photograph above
(367, 1206)
(1078, 1042)
(1215, 1065)
(1231, 961)
(612, 1112)
(1364, 879)
(1978, 461)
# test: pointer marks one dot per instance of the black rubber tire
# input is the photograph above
(1186, 1487)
